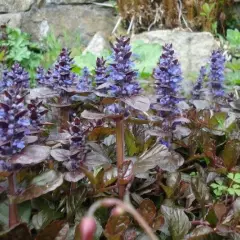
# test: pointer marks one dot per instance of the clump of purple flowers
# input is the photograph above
(121, 72)
(85, 83)
(216, 76)
(60, 75)
(17, 76)
(14, 122)
(197, 88)
(168, 76)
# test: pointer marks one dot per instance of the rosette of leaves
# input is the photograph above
(74, 157)
(17, 76)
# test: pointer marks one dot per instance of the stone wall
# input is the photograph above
(38, 17)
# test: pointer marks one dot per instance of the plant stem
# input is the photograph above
(120, 152)
(13, 214)
(110, 202)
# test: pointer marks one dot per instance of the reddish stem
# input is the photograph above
(13, 214)
(120, 152)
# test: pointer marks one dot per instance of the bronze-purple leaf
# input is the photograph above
(148, 210)
(125, 172)
(141, 103)
(42, 184)
(19, 231)
(60, 155)
(31, 155)
(116, 226)
(55, 230)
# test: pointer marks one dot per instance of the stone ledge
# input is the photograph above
(11, 6)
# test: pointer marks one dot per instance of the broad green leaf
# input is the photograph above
(146, 56)
(42, 184)
(177, 222)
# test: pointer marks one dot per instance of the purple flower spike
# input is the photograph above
(216, 75)
(14, 122)
(121, 72)
(85, 83)
(101, 73)
(168, 76)
(16, 77)
(60, 75)
(196, 91)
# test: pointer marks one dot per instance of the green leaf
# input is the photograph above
(87, 60)
(177, 222)
(130, 143)
(146, 56)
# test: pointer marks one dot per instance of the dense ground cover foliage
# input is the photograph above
(91, 156)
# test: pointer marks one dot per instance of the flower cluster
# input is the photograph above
(117, 109)
(216, 75)
(168, 76)
(121, 72)
(85, 83)
(37, 112)
(17, 77)
(79, 130)
(14, 121)
(60, 75)
(196, 91)
(101, 73)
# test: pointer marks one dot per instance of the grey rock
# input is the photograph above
(97, 44)
(8, 6)
(12, 19)
(84, 20)
(69, 1)
(192, 48)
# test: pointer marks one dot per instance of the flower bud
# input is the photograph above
(117, 211)
(87, 228)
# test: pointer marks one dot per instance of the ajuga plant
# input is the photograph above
(18, 125)
(165, 168)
